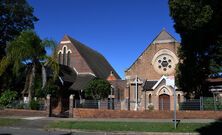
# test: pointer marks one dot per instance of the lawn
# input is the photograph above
(8, 122)
(127, 126)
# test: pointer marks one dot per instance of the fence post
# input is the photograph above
(71, 101)
(201, 103)
(49, 105)
(215, 107)
(99, 104)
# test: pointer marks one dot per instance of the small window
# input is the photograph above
(64, 56)
(150, 98)
(68, 59)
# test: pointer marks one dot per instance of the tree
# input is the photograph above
(98, 89)
(15, 16)
(199, 24)
(28, 50)
(7, 97)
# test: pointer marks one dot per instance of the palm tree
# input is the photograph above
(29, 50)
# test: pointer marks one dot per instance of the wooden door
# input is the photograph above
(164, 102)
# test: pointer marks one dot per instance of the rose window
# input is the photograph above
(164, 63)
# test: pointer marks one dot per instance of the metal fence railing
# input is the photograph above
(20, 104)
(203, 103)
(98, 104)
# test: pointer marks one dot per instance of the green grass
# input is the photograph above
(8, 122)
(127, 126)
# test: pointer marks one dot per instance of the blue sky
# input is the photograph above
(118, 29)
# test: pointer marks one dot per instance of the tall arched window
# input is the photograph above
(64, 56)
(60, 58)
(150, 98)
(68, 59)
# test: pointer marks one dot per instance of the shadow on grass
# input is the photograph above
(67, 134)
(211, 129)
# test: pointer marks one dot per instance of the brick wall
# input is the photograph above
(143, 65)
(22, 112)
(96, 113)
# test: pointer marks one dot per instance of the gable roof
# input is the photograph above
(149, 84)
(81, 81)
(170, 81)
(97, 62)
(162, 37)
(152, 84)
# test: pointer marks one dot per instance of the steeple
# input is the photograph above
(164, 37)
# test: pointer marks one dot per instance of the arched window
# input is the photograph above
(64, 56)
(68, 59)
(60, 58)
(178, 98)
(150, 98)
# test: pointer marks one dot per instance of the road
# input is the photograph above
(23, 131)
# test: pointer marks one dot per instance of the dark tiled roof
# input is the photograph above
(97, 62)
(149, 84)
(75, 81)
(67, 74)
(81, 81)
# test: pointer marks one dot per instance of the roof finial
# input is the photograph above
(163, 29)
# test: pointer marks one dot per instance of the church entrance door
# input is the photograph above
(164, 102)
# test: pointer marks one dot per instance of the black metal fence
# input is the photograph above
(20, 104)
(203, 103)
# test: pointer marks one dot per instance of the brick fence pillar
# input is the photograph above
(49, 105)
(71, 102)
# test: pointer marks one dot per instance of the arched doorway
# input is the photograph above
(164, 102)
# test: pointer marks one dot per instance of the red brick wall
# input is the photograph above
(96, 113)
(76, 59)
(21, 112)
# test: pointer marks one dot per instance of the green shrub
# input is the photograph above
(7, 97)
(34, 105)
(150, 107)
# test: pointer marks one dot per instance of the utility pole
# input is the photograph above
(175, 107)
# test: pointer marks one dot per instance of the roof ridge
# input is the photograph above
(73, 39)
(93, 58)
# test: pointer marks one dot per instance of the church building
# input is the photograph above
(80, 64)
(150, 79)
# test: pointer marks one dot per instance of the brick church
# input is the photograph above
(149, 81)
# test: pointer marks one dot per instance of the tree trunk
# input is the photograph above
(31, 82)
(44, 79)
